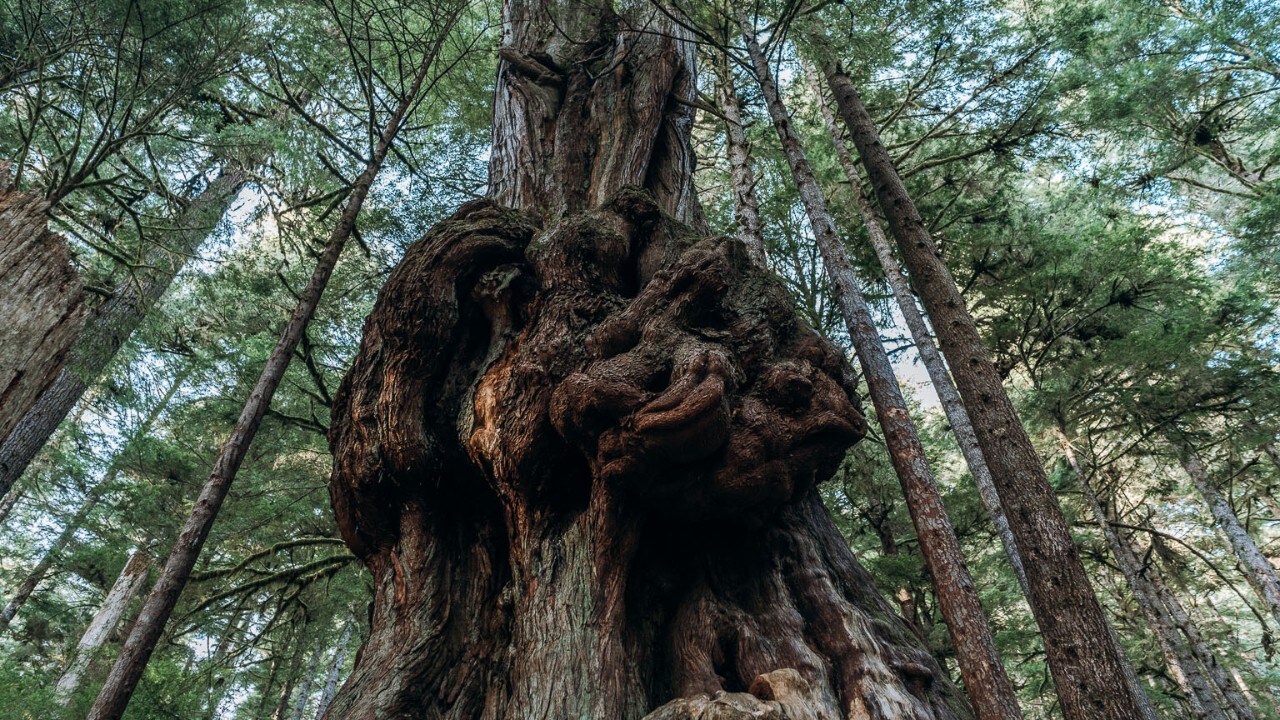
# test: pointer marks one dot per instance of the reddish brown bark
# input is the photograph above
(42, 302)
(579, 446)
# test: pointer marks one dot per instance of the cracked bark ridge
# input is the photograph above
(581, 461)
(42, 299)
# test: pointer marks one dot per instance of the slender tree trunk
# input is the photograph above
(308, 679)
(1240, 705)
(38, 573)
(579, 445)
(1272, 452)
(126, 587)
(335, 671)
(932, 360)
(1262, 575)
(980, 666)
(8, 503)
(122, 681)
(110, 324)
(746, 208)
(291, 678)
(43, 303)
(219, 684)
(1082, 654)
(1183, 666)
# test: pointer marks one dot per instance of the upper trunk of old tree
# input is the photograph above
(42, 300)
(579, 446)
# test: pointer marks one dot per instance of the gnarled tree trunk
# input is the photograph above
(579, 446)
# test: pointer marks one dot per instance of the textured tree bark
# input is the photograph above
(1082, 654)
(742, 174)
(129, 666)
(41, 569)
(932, 360)
(123, 590)
(42, 299)
(579, 445)
(980, 666)
(111, 323)
(1258, 569)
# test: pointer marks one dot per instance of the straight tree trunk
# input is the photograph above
(308, 679)
(1082, 654)
(578, 449)
(984, 676)
(932, 360)
(111, 323)
(124, 676)
(1183, 665)
(43, 304)
(1261, 573)
(746, 208)
(1240, 704)
(38, 573)
(218, 685)
(126, 587)
(1273, 453)
(291, 678)
(8, 503)
(335, 671)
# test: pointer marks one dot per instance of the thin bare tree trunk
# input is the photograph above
(8, 503)
(1240, 704)
(111, 323)
(335, 671)
(38, 573)
(120, 684)
(308, 679)
(1262, 575)
(1081, 650)
(932, 360)
(980, 666)
(126, 587)
(291, 678)
(1182, 663)
(746, 208)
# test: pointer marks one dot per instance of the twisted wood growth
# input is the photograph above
(580, 445)
(43, 304)
(581, 464)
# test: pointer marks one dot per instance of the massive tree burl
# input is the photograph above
(581, 462)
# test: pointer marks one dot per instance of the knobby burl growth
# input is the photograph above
(581, 463)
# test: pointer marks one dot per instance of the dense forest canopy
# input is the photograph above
(557, 353)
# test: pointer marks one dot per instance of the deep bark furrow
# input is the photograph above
(43, 304)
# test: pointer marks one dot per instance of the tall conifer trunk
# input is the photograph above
(579, 446)
(1082, 653)
(976, 654)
